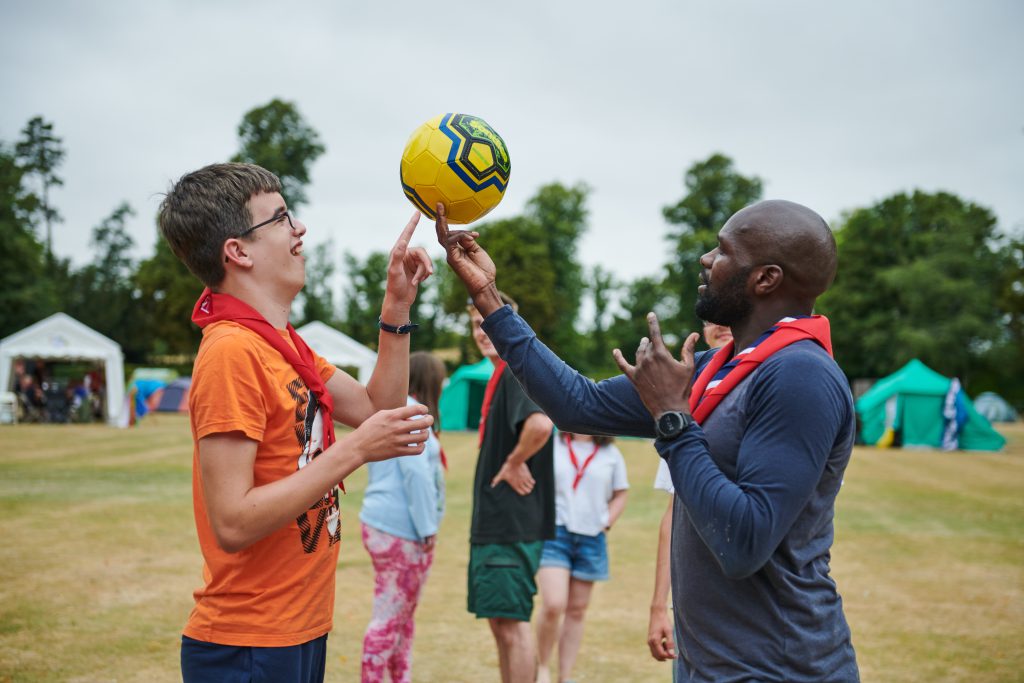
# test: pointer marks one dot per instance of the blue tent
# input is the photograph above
(994, 407)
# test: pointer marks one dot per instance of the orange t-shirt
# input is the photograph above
(278, 591)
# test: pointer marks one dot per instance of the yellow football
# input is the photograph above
(458, 160)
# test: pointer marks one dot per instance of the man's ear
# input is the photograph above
(767, 279)
(234, 251)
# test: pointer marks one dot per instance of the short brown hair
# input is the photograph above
(205, 208)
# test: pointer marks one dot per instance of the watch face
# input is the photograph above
(670, 424)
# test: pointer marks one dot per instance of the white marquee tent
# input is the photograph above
(339, 349)
(60, 337)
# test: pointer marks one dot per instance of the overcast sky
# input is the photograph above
(834, 105)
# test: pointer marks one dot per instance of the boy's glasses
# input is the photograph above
(275, 219)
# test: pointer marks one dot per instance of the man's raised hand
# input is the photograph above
(662, 382)
(469, 262)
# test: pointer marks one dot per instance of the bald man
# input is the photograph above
(756, 435)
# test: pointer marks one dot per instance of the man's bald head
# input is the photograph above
(792, 237)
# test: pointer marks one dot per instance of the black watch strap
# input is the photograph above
(401, 329)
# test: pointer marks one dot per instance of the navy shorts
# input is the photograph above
(586, 557)
(203, 662)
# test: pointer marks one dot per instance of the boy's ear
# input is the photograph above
(234, 251)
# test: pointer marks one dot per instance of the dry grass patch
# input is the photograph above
(99, 560)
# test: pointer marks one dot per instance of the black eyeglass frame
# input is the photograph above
(283, 214)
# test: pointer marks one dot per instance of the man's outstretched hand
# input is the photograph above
(469, 262)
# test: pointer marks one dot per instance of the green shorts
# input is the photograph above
(501, 581)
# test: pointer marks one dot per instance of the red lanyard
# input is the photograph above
(576, 463)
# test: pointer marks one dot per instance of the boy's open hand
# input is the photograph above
(389, 433)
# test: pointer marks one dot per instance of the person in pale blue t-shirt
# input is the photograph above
(401, 513)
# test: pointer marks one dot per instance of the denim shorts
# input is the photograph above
(586, 557)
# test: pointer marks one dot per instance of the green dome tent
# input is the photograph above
(914, 396)
(463, 395)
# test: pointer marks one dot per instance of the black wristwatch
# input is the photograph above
(401, 329)
(671, 424)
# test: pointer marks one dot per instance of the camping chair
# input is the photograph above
(8, 408)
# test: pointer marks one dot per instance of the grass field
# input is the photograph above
(98, 560)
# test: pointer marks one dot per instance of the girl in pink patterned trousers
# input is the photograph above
(402, 509)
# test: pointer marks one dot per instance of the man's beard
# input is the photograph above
(726, 303)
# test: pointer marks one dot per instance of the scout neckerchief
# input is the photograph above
(719, 377)
(492, 385)
(213, 307)
(580, 469)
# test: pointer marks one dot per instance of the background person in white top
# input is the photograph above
(660, 633)
(590, 494)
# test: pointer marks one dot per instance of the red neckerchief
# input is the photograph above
(214, 307)
(703, 400)
(492, 385)
(576, 463)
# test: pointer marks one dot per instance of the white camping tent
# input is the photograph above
(339, 349)
(61, 337)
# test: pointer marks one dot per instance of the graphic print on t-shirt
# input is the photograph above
(309, 432)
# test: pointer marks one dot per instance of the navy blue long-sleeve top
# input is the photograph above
(755, 493)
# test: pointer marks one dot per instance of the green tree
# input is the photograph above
(1004, 361)
(26, 293)
(317, 300)
(103, 294)
(918, 278)
(167, 295)
(525, 272)
(437, 329)
(601, 287)
(560, 214)
(364, 296)
(715, 190)
(40, 153)
(276, 137)
(452, 301)
(643, 295)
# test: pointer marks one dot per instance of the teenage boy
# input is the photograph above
(513, 512)
(266, 464)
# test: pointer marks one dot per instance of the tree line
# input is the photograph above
(921, 275)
